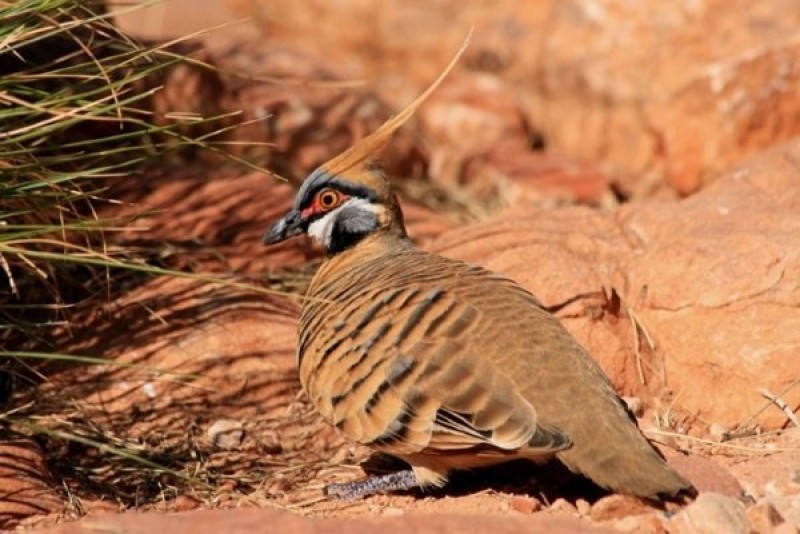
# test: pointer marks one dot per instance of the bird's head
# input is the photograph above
(338, 210)
(348, 197)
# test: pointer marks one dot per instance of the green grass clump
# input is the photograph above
(74, 104)
(75, 109)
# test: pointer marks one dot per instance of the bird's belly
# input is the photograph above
(446, 461)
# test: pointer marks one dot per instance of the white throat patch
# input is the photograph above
(322, 229)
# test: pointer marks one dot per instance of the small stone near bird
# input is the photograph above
(525, 504)
(583, 507)
(226, 433)
(563, 506)
(717, 432)
(149, 390)
(393, 511)
(615, 506)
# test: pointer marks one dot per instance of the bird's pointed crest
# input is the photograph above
(353, 161)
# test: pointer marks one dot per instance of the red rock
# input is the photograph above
(476, 134)
(771, 474)
(525, 178)
(710, 279)
(617, 506)
(254, 520)
(642, 108)
(184, 503)
(525, 504)
(786, 528)
(711, 513)
(467, 114)
(624, 97)
(480, 142)
(788, 507)
(423, 223)
(26, 486)
(705, 474)
(563, 507)
(501, 38)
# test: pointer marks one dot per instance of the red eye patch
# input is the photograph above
(325, 200)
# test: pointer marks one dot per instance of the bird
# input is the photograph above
(441, 363)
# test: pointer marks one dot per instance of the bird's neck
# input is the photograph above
(342, 237)
(376, 245)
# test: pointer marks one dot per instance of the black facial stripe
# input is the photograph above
(343, 240)
(358, 191)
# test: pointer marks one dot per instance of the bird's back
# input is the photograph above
(415, 353)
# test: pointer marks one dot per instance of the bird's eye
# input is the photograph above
(328, 199)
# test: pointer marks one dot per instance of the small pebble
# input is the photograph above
(583, 507)
(618, 506)
(526, 505)
(563, 506)
(717, 432)
(184, 503)
(149, 390)
(226, 433)
(393, 511)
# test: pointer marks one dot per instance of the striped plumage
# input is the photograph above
(440, 363)
(395, 331)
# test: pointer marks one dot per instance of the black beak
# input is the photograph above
(289, 225)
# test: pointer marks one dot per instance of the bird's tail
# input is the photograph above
(636, 469)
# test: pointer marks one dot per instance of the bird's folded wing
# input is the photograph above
(423, 384)
(454, 431)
